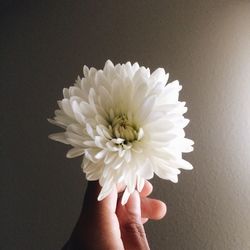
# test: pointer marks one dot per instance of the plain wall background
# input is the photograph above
(204, 44)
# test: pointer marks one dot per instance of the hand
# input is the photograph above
(107, 225)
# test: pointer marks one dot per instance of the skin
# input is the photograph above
(107, 225)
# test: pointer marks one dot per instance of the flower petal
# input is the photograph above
(125, 197)
(74, 152)
(140, 183)
(101, 154)
(60, 137)
(90, 130)
(105, 191)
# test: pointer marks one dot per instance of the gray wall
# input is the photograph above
(204, 44)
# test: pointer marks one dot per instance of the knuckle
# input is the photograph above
(135, 228)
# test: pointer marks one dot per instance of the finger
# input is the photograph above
(91, 203)
(132, 230)
(144, 220)
(147, 189)
(97, 222)
(153, 209)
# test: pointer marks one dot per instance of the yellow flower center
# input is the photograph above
(123, 128)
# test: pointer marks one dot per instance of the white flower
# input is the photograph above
(127, 123)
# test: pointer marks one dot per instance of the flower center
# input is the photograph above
(124, 128)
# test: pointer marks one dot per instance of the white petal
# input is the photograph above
(127, 146)
(135, 66)
(118, 140)
(101, 120)
(93, 176)
(76, 91)
(90, 131)
(60, 137)
(146, 108)
(140, 183)
(105, 172)
(158, 74)
(164, 171)
(67, 108)
(111, 146)
(182, 164)
(57, 123)
(101, 154)
(75, 142)
(110, 156)
(85, 71)
(66, 93)
(100, 141)
(125, 197)
(146, 170)
(86, 109)
(117, 163)
(85, 163)
(70, 134)
(77, 112)
(75, 128)
(105, 191)
(131, 184)
(127, 156)
(121, 152)
(163, 137)
(92, 95)
(106, 133)
(74, 152)
(140, 134)
(92, 72)
(173, 178)
(171, 92)
(89, 143)
(183, 122)
(137, 148)
(109, 66)
(184, 145)
(90, 154)
(106, 98)
(93, 171)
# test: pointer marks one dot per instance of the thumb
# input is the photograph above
(97, 226)
(132, 231)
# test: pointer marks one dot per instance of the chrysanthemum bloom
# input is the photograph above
(127, 123)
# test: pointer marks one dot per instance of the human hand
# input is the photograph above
(107, 225)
